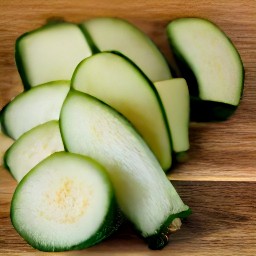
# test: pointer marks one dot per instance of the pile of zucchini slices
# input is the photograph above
(101, 121)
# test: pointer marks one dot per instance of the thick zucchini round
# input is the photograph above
(66, 202)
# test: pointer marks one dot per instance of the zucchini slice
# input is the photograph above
(115, 34)
(66, 202)
(32, 147)
(36, 106)
(117, 82)
(175, 98)
(211, 65)
(143, 192)
(50, 53)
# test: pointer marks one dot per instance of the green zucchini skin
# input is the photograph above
(110, 224)
(208, 111)
(3, 128)
(89, 39)
(204, 110)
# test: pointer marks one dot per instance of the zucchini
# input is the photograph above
(144, 193)
(115, 80)
(50, 53)
(211, 65)
(66, 202)
(32, 147)
(115, 34)
(36, 106)
(175, 98)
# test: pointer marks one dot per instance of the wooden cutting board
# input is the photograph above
(218, 181)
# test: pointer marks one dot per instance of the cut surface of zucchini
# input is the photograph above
(50, 53)
(32, 147)
(34, 107)
(211, 65)
(117, 82)
(144, 193)
(65, 202)
(115, 34)
(175, 98)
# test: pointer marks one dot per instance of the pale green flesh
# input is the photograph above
(32, 147)
(62, 202)
(119, 35)
(175, 98)
(143, 191)
(115, 81)
(36, 106)
(52, 52)
(211, 56)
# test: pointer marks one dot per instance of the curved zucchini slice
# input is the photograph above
(50, 53)
(66, 202)
(117, 82)
(34, 107)
(114, 34)
(211, 65)
(175, 98)
(143, 192)
(32, 147)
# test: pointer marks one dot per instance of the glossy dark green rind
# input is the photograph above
(208, 111)
(89, 40)
(3, 127)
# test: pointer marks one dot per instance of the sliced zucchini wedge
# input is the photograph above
(32, 147)
(175, 98)
(66, 202)
(116, 81)
(144, 193)
(211, 65)
(115, 34)
(50, 53)
(34, 107)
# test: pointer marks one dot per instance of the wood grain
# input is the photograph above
(218, 181)
(223, 223)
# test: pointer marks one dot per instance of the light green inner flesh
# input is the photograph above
(36, 106)
(32, 147)
(211, 56)
(119, 35)
(143, 191)
(175, 98)
(118, 83)
(53, 52)
(62, 202)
